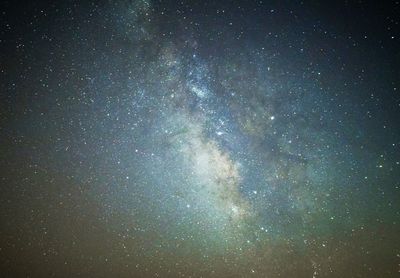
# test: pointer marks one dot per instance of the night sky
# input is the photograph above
(199, 138)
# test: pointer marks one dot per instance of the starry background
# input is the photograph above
(200, 139)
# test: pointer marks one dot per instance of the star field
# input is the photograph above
(200, 139)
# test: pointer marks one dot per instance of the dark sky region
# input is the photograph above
(199, 138)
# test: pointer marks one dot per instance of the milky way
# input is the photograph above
(183, 139)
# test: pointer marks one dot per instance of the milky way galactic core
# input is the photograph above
(200, 139)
